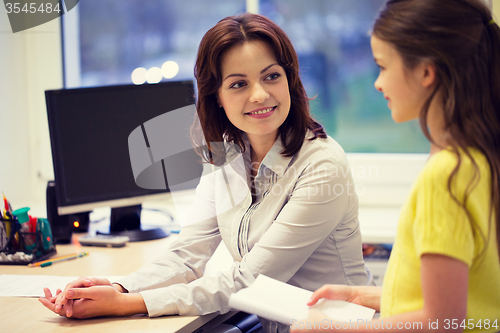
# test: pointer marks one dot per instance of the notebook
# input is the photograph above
(284, 303)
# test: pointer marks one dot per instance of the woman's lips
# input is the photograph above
(262, 113)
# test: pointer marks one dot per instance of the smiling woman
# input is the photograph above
(220, 67)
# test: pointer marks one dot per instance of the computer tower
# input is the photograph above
(60, 224)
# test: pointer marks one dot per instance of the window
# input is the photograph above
(105, 41)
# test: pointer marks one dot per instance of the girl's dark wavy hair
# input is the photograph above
(215, 126)
(460, 38)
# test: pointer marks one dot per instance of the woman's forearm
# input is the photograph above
(133, 304)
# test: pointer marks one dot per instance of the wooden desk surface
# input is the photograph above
(20, 314)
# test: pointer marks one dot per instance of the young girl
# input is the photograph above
(440, 61)
(291, 214)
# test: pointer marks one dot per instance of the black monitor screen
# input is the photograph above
(89, 129)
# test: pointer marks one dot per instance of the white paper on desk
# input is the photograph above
(32, 285)
(279, 301)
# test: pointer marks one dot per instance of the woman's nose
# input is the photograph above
(258, 94)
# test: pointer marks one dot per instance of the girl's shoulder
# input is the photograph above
(447, 159)
(444, 163)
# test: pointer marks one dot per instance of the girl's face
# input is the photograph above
(403, 88)
(254, 91)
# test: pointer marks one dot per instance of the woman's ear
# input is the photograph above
(428, 72)
(218, 100)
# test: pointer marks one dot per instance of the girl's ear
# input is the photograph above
(428, 72)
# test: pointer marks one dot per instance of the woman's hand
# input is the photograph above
(82, 282)
(63, 305)
(94, 301)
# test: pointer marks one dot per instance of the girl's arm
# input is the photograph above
(444, 288)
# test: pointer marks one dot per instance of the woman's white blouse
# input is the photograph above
(301, 228)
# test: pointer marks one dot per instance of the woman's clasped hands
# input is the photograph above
(89, 297)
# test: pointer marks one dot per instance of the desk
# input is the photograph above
(29, 315)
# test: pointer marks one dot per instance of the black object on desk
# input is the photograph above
(14, 250)
(125, 221)
(241, 322)
(246, 323)
(60, 224)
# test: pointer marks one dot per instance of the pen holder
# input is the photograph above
(19, 247)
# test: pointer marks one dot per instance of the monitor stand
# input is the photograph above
(126, 221)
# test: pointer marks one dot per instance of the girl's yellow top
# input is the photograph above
(432, 222)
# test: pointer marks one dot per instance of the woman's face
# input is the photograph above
(254, 91)
(403, 88)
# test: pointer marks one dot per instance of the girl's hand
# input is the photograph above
(317, 321)
(366, 295)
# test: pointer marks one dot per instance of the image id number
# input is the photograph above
(470, 324)
(32, 8)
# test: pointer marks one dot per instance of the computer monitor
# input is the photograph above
(89, 133)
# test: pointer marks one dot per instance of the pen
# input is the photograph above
(7, 205)
(49, 262)
(7, 223)
(4, 235)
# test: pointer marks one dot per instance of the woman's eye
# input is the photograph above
(273, 76)
(237, 85)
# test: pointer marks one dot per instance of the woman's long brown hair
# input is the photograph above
(235, 30)
(461, 39)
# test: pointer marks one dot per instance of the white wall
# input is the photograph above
(30, 63)
(496, 10)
